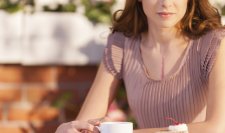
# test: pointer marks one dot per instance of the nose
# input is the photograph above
(166, 3)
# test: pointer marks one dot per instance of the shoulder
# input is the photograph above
(113, 54)
(209, 45)
(222, 45)
(116, 38)
(119, 38)
(214, 34)
(211, 39)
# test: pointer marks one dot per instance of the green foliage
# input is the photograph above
(10, 7)
(13, 7)
(61, 101)
(70, 7)
(98, 12)
(223, 10)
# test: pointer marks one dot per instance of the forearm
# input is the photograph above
(91, 111)
(100, 95)
(92, 108)
(202, 127)
(206, 127)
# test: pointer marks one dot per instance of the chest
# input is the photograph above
(161, 65)
(184, 70)
(181, 93)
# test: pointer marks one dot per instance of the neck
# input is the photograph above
(163, 36)
(163, 39)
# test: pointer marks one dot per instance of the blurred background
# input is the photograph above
(49, 54)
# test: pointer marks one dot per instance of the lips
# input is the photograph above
(165, 14)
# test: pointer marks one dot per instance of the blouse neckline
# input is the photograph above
(147, 72)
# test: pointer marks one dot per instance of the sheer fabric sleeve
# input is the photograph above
(210, 44)
(113, 54)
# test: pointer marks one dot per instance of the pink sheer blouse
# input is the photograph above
(181, 96)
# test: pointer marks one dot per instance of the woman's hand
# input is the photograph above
(81, 126)
(76, 127)
(96, 122)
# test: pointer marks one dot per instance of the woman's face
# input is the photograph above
(164, 13)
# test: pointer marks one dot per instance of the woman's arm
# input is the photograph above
(100, 96)
(215, 117)
(96, 103)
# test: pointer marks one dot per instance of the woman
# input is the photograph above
(169, 53)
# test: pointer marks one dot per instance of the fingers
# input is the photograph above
(79, 125)
(66, 128)
(86, 131)
(95, 122)
(75, 127)
(94, 131)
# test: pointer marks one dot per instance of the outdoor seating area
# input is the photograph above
(49, 57)
(50, 51)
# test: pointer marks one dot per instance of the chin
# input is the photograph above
(167, 25)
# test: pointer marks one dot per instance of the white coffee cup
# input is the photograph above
(116, 127)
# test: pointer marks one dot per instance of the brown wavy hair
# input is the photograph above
(199, 18)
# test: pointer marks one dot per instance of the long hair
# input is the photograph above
(199, 18)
